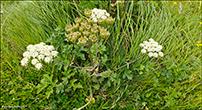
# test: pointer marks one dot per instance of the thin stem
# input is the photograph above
(119, 67)
(91, 96)
(91, 60)
(72, 66)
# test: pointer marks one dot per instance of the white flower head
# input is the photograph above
(38, 66)
(151, 40)
(30, 47)
(47, 53)
(159, 47)
(154, 43)
(152, 47)
(143, 51)
(99, 15)
(107, 14)
(34, 54)
(161, 54)
(155, 54)
(41, 57)
(48, 59)
(26, 54)
(24, 61)
(95, 19)
(51, 48)
(104, 17)
(54, 53)
(34, 61)
(150, 54)
(42, 43)
(141, 45)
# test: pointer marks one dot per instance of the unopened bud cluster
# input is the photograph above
(152, 47)
(99, 16)
(37, 53)
(83, 32)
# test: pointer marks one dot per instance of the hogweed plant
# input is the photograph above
(87, 35)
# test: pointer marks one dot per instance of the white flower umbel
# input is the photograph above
(26, 54)
(99, 13)
(41, 57)
(152, 47)
(161, 54)
(38, 66)
(48, 59)
(38, 53)
(34, 61)
(143, 51)
(54, 53)
(24, 61)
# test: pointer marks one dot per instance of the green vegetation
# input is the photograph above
(169, 82)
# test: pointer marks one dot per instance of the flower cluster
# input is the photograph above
(38, 53)
(99, 15)
(83, 32)
(152, 47)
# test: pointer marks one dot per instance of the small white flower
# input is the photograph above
(95, 19)
(42, 43)
(146, 47)
(161, 54)
(107, 14)
(50, 48)
(104, 17)
(151, 40)
(24, 61)
(30, 47)
(143, 51)
(142, 45)
(145, 42)
(159, 47)
(41, 57)
(47, 59)
(155, 54)
(34, 54)
(38, 66)
(47, 53)
(99, 16)
(34, 61)
(54, 53)
(26, 54)
(150, 49)
(154, 43)
(150, 54)
(96, 12)
(93, 16)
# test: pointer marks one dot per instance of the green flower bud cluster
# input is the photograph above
(82, 32)
(87, 12)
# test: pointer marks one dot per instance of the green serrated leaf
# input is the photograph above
(49, 91)
(70, 75)
(40, 87)
(97, 86)
(78, 85)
